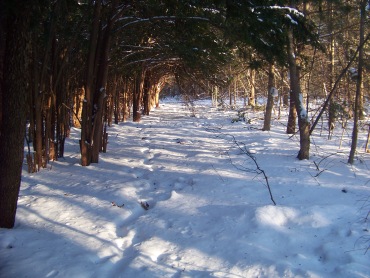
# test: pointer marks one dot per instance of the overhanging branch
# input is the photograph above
(160, 18)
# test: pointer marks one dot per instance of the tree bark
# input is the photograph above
(303, 122)
(37, 111)
(252, 95)
(332, 107)
(78, 97)
(358, 99)
(116, 106)
(15, 95)
(101, 85)
(2, 57)
(86, 128)
(270, 99)
(97, 131)
(146, 93)
(112, 100)
(125, 100)
(137, 96)
(292, 116)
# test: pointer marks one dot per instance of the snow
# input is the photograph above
(209, 215)
(292, 21)
(303, 111)
(289, 10)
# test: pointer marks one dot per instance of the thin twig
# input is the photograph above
(259, 170)
(241, 146)
(218, 173)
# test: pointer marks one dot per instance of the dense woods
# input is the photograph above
(92, 64)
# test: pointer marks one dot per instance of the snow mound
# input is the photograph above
(280, 216)
(276, 216)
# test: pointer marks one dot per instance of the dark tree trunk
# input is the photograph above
(331, 69)
(270, 99)
(252, 95)
(358, 100)
(48, 128)
(112, 100)
(77, 108)
(126, 103)
(37, 109)
(62, 119)
(303, 123)
(86, 128)
(116, 107)
(100, 88)
(136, 98)
(146, 93)
(14, 98)
(292, 117)
(43, 92)
(2, 57)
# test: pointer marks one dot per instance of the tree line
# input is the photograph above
(90, 64)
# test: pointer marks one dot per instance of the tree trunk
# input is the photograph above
(332, 106)
(252, 95)
(38, 124)
(60, 89)
(357, 109)
(282, 94)
(98, 128)
(43, 91)
(2, 57)
(303, 122)
(146, 93)
(292, 117)
(137, 96)
(270, 99)
(112, 101)
(116, 107)
(157, 90)
(125, 100)
(15, 95)
(77, 107)
(101, 84)
(86, 128)
(230, 96)
(48, 127)
(215, 97)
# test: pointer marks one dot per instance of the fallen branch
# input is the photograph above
(241, 146)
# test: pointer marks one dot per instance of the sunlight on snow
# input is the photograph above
(279, 217)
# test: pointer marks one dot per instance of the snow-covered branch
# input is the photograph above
(289, 10)
(152, 60)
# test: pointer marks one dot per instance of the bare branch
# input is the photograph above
(258, 170)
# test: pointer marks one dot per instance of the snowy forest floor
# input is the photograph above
(209, 211)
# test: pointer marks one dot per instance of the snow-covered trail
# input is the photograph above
(206, 217)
